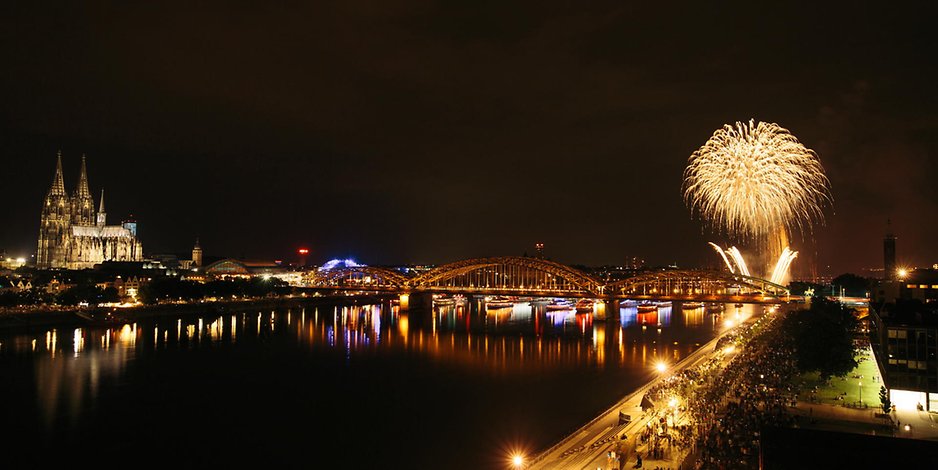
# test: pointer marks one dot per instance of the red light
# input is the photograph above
(303, 251)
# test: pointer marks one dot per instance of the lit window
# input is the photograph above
(923, 286)
(910, 286)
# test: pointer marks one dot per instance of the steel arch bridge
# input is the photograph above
(695, 285)
(523, 276)
(508, 275)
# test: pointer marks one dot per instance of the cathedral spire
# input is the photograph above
(102, 215)
(82, 190)
(58, 182)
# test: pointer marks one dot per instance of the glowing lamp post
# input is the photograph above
(517, 461)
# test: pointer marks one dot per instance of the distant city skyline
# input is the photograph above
(414, 134)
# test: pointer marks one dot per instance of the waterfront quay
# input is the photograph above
(589, 447)
(45, 316)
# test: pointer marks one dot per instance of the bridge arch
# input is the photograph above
(694, 283)
(357, 276)
(509, 274)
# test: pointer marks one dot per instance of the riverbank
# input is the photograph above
(46, 316)
(590, 445)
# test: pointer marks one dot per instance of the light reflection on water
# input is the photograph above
(71, 366)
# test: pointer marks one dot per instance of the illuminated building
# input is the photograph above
(905, 338)
(196, 254)
(73, 236)
(231, 267)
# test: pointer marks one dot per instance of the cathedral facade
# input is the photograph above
(73, 236)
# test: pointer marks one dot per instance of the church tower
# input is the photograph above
(197, 254)
(102, 216)
(54, 223)
(82, 202)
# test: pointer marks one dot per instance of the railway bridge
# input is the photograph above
(534, 277)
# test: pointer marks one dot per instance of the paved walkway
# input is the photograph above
(596, 443)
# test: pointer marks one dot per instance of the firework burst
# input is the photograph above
(756, 182)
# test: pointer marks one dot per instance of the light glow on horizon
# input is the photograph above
(345, 263)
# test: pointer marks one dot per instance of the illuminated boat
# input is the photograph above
(584, 306)
(559, 304)
(498, 302)
(691, 305)
(646, 308)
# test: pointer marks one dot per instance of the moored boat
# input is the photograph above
(559, 304)
(584, 306)
(644, 308)
(498, 302)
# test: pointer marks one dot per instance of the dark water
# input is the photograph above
(328, 386)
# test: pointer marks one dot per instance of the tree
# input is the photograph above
(852, 285)
(884, 401)
(822, 337)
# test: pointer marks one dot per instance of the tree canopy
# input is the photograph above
(822, 336)
(852, 285)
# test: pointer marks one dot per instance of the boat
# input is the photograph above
(584, 306)
(646, 308)
(691, 305)
(498, 302)
(663, 303)
(559, 304)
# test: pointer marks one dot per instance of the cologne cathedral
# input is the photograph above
(73, 236)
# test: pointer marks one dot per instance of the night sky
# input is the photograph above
(427, 132)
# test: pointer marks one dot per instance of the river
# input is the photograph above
(360, 386)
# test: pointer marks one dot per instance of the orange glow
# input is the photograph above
(517, 460)
(303, 251)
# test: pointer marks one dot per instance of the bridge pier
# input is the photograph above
(416, 301)
(608, 310)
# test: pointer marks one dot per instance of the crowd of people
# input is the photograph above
(713, 413)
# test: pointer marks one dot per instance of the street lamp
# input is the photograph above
(517, 460)
(661, 366)
(860, 386)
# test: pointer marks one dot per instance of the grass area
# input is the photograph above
(845, 390)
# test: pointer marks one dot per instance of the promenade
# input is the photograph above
(605, 443)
